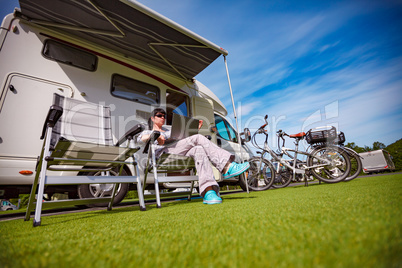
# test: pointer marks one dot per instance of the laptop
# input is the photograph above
(182, 127)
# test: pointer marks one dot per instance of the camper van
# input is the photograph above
(115, 53)
(377, 161)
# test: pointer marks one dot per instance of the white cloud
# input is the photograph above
(265, 49)
(366, 95)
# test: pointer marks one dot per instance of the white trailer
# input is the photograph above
(377, 161)
(114, 52)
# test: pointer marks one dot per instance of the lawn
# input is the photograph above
(353, 224)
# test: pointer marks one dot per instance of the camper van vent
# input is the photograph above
(142, 115)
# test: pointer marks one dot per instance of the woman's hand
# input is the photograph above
(161, 140)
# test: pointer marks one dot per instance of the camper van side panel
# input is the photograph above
(29, 79)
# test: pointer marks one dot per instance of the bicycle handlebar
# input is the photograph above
(280, 133)
(261, 128)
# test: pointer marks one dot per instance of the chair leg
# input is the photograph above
(39, 200)
(191, 191)
(32, 195)
(140, 190)
(157, 194)
(145, 179)
(192, 187)
(42, 179)
(110, 205)
(146, 171)
(140, 195)
(156, 182)
(34, 185)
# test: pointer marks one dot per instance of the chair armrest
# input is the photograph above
(52, 117)
(153, 137)
(129, 135)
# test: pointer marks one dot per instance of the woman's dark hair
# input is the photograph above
(158, 111)
(155, 112)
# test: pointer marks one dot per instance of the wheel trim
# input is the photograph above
(103, 190)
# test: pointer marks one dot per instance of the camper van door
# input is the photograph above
(24, 101)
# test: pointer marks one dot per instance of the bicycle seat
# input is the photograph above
(298, 135)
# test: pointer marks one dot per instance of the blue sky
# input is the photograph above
(304, 63)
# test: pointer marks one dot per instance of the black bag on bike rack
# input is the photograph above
(340, 139)
(321, 134)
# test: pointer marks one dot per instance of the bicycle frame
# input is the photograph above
(287, 162)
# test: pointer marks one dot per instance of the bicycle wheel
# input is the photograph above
(282, 178)
(260, 175)
(356, 165)
(330, 164)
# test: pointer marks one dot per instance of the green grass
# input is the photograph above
(354, 224)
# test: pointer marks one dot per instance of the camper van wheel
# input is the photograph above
(103, 190)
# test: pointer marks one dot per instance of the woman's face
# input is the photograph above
(159, 119)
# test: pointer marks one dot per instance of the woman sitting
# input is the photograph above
(202, 150)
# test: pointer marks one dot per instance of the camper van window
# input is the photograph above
(176, 102)
(134, 90)
(69, 55)
(225, 131)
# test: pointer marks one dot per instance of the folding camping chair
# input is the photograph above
(78, 138)
(168, 163)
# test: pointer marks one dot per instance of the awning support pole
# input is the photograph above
(234, 112)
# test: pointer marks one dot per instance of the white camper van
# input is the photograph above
(117, 53)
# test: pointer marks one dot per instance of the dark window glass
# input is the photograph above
(176, 102)
(69, 55)
(225, 131)
(134, 90)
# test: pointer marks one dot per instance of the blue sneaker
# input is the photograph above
(212, 198)
(236, 169)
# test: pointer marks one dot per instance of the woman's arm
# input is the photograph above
(145, 137)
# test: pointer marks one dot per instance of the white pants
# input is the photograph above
(204, 152)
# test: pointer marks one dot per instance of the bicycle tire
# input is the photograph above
(282, 178)
(260, 175)
(335, 172)
(356, 165)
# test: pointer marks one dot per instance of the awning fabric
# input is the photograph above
(129, 28)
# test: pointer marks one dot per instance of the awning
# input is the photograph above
(129, 28)
(132, 29)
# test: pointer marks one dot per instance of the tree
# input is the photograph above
(354, 147)
(378, 145)
(367, 149)
(395, 149)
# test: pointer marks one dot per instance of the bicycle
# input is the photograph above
(327, 163)
(356, 165)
